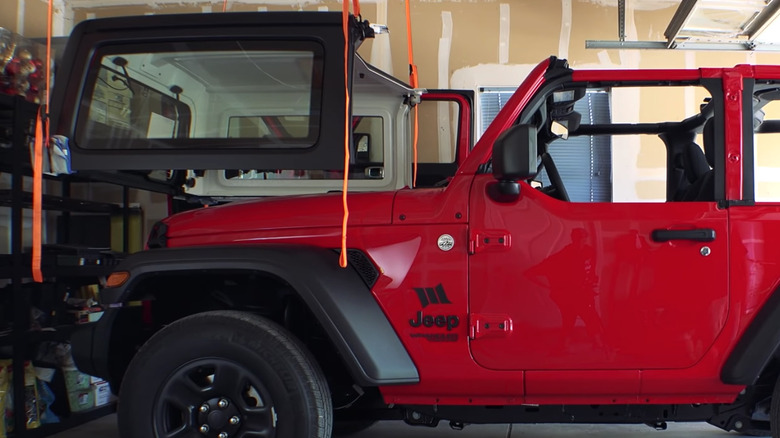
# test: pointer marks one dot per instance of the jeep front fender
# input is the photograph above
(759, 343)
(337, 297)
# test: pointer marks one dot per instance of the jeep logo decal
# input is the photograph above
(449, 321)
(432, 295)
(428, 296)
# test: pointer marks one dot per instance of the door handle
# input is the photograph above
(698, 234)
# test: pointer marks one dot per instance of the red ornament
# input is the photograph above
(13, 68)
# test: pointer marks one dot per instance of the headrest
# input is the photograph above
(695, 163)
(708, 135)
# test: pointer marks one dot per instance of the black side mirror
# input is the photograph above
(514, 158)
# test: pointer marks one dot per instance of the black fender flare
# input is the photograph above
(759, 343)
(339, 299)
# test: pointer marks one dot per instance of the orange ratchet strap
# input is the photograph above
(347, 127)
(41, 141)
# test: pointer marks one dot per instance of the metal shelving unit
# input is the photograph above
(16, 118)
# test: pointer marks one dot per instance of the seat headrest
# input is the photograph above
(695, 162)
(708, 136)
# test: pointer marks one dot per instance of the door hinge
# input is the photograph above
(490, 240)
(489, 325)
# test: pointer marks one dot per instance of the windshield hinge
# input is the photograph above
(490, 240)
(489, 325)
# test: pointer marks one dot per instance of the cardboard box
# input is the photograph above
(75, 380)
(101, 393)
(81, 400)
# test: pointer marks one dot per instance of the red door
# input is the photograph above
(589, 286)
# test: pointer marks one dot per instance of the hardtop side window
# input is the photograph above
(185, 95)
(439, 140)
(438, 136)
(368, 157)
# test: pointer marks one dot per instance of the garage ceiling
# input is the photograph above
(711, 25)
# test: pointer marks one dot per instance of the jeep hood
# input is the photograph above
(242, 219)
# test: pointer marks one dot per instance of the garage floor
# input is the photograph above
(106, 428)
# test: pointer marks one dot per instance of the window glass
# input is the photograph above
(203, 94)
(438, 131)
(275, 127)
(367, 158)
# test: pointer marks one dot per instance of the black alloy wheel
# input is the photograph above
(224, 375)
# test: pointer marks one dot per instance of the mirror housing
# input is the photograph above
(514, 153)
(514, 158)
(562, 101)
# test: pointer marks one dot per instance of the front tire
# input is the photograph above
(228, 372)
(774, 411)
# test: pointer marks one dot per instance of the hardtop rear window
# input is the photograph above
(185, 94)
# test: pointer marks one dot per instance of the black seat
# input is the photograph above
(698, 167)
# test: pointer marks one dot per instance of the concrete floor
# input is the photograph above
(106, 428)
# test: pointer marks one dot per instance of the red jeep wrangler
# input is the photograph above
(511, 291)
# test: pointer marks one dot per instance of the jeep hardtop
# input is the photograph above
(530, 285)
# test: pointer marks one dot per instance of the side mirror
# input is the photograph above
(514, 158)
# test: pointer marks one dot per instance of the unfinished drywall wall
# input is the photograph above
(9, 14)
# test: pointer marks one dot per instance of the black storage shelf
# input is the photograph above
(75, 419)
(62, 266)
(60, 333)
(53, 267)
(57, 203)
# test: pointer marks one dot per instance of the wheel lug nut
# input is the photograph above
(204, 408)
(222, 435)
(204, 428)
(234, 420)
(223, 403)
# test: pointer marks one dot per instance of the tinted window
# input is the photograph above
(202, 94)
(367, 158)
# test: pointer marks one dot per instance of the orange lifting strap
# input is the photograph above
(347, 127)
(41, 141)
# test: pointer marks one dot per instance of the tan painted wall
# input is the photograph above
(34, 19)
(9, 10)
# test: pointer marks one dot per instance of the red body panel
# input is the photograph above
(270, 219)
(410, 258)
(755, 259)
(636, 75)
(732, 90)
(587, 288)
